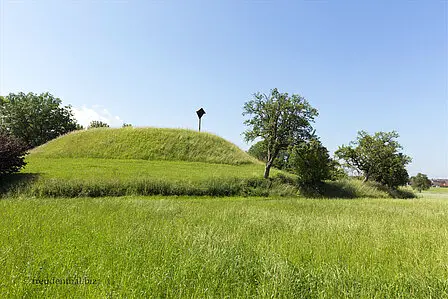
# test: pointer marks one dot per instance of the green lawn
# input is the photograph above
(88, 169)
(224, 247)
(68, 177)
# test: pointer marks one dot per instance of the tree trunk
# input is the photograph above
(267, 169)
(366, 177)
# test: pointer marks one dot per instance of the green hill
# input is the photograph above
(150, 161)
(145, 144)
(144, 161)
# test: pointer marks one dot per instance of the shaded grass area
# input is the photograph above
(348, 188)
(225, 247)
(13, 182)
(353, 188)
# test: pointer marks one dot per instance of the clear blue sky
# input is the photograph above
(371, 65)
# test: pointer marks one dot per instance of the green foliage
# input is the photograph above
(97, 124)
(259, 150)
(377, 157)
(34, 118)
(79, 127)
(279, 120)
(145, 144)
(420, 182)
(12, 154)
(336, 171)
(312, 154)
(311, 162)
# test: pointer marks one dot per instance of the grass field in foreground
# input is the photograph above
(224, 247)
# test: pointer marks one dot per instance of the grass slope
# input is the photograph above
(145, 144)
(137, 247)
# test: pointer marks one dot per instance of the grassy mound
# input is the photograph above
(142, 161)
(145, 144)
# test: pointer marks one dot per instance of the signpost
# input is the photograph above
(200, 113)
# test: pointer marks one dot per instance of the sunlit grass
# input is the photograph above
(130, 169)
(145, 144)
(434, 193)
(69, 177)
(229, 247)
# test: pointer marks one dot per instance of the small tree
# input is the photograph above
(377, 157)
(312, 163)
(420, 182)
(279, 120)
(97, 124)
(12, 154)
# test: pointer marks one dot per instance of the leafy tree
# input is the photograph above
(12, 154)
(279, 120)
(337, 172)
(420, 182)
(259, 150)
(311, 162)
(97, 124)
(34, 118)
(377, 157)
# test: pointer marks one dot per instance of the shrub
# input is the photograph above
(12, 154)
(312, 163)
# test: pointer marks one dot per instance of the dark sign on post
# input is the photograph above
(200, 113)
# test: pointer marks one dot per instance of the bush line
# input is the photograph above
(211, 187)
